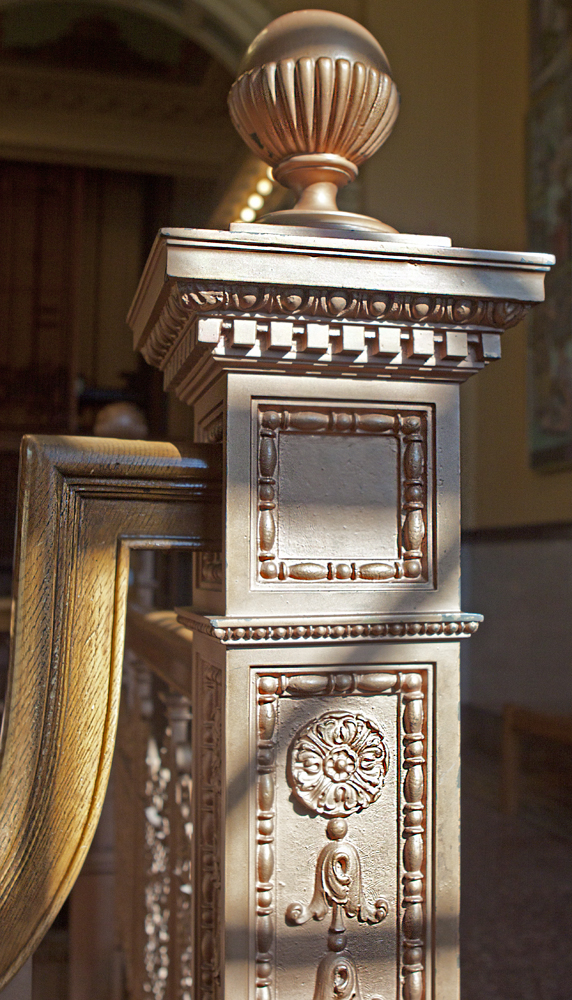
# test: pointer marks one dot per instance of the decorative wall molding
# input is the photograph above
(223, 27)
(95, 118)
(25, 87)
(451, 626)
(337, 732)
(411, 562)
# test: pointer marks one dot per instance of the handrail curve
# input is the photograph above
(83, 503)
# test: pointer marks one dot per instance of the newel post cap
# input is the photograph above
(315, 98)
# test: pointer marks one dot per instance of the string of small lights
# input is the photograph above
(255, 201)
(252, 192)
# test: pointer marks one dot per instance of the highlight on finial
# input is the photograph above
(315, 98)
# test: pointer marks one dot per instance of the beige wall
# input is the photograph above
(505, 491)
(423, 180)
(456, 165)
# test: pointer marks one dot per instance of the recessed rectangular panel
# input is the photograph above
(342, 786)
(338, 494)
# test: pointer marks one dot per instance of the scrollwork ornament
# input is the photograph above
(337, 763)
(338, 890)
(337, 977)
(338, 885)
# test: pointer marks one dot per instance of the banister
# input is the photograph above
(328, 350)
(83, 504)
(325, 351)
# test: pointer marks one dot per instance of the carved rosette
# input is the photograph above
(337, 764)
(411, 557)
(338, 877)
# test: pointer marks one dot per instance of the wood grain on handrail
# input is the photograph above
(83, 503)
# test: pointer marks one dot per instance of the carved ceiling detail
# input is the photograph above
(75, 91)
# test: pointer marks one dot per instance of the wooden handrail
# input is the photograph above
(83, 504)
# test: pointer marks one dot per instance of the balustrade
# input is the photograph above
(153, 793)
(298, 836)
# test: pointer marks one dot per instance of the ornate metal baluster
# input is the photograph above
(180, 845)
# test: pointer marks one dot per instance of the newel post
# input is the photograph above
(326, 351)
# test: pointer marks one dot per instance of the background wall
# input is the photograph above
(456, 165)
(521, 582)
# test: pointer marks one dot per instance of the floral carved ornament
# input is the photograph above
(337, 763)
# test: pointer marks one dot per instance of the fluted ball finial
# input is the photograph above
(315, 98)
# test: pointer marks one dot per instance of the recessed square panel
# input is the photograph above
(342, 495)
(338, 493)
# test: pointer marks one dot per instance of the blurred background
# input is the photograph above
(113, 123)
